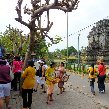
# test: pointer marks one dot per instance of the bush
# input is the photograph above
(69, 67)
(85, 71)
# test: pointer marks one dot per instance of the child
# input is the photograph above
(92, 77)
(62, 71)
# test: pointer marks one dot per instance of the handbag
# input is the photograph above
(65, 78)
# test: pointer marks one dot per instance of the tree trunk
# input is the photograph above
(30, 48)
(28, 54)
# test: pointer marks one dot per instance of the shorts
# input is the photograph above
(60, 84)
(40, 80)
(5, 90)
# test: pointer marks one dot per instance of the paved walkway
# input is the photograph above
(77, 96)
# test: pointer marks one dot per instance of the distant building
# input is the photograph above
(98, 42)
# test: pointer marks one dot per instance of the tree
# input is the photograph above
(36, 11)
(14, 40)
(71, 50)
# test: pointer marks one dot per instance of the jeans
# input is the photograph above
(92, 80)
(101, 85)
(27, 97)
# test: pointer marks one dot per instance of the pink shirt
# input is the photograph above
(101, 70)
(17, 66)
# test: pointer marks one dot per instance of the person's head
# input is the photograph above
(17, 58)
(52, 64)
(100, 61)
(41, 63)
(31, 63)
(92, 65)
(62, 64)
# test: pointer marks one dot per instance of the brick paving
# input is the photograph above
(76, 96)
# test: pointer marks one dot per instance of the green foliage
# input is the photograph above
(69, 67)
(70, 51)
(40, 47)
(13, 40)
(55, 40)
(79, 69)
(63, 53)
(85, 71)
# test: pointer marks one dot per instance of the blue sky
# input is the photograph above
(88, 12)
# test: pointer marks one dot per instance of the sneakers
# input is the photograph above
(35, 90)
(102, 91)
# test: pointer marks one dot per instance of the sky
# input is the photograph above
(87, 13)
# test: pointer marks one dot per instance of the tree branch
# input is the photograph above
(27, 10)
(51, 39)
(42, 9)
(22, 22)
(18, 8)
(45, 29)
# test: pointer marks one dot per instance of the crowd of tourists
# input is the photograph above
(36, 74)
(39, 74)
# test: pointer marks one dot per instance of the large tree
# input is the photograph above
(36, 11)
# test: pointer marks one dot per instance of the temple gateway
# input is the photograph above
(98, 42)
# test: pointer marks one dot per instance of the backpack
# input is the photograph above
(92, 73)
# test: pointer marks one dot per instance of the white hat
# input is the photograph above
(40, 61)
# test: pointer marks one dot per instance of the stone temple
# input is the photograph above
(98, 42)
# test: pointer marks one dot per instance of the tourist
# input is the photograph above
(5, 84)
(62, 71)
(28, 84)
(45, 66)
(101, 76)
(92, 77)
(50, 81)
(41, 76)
(17, 69)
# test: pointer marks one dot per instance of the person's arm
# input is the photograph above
(47, 75)
(13, 66)
(24, 74)
(43, 71)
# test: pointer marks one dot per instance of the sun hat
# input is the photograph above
(40, 61)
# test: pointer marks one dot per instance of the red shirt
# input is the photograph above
(17, 66)
(101, 70)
